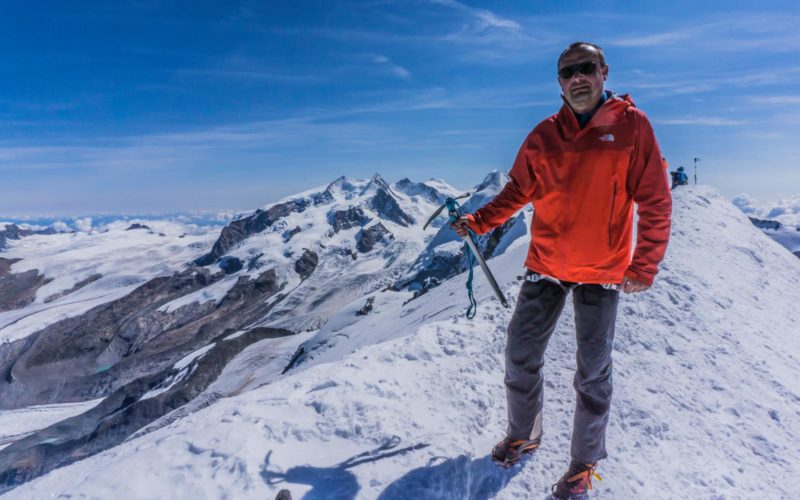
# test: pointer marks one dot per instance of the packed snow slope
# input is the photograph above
(407, 401)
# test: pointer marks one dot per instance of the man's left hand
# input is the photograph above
(630, 285)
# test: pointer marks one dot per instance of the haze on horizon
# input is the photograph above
(152, 107)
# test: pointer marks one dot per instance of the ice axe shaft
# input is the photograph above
(489, 276)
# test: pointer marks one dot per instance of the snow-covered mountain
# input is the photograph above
(405, 400)
(118, 314)
(444, 257)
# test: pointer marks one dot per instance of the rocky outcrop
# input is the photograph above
(136, 225)
(240, 229)
(765, 224)
(82, 283)
(5, 265)
(17, 290)
(127, 409)
(92, 355)
(288, 235)
(345, 219)
(368, 237)
(367, 307)
(306, 264)
(797, 253)
(230, 265)
(12, 232)
(386, 206)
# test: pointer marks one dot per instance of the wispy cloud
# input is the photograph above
(773, 32)
(776, 100)
(391, 67)
(481, 25)
(709, 121)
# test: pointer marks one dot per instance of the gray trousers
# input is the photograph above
(538, 309)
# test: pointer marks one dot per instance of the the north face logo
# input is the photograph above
(607, 138)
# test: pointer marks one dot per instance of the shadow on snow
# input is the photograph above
(454, 478)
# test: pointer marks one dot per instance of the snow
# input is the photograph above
(213, 292)
(407, 401)
(16, 424)
(125, 259)
(183, 367)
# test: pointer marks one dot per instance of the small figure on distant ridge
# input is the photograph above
(679, 178)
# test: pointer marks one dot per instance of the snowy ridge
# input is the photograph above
(406, 402)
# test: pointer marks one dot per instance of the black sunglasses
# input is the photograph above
(586, 68)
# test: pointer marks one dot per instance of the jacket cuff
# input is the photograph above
(645, 278)
(474, 223)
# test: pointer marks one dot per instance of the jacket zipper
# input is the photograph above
(611, 217)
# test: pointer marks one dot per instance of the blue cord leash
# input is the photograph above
(454, 209)
(473, 254)
(473, 305)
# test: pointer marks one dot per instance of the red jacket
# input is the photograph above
(583, 184)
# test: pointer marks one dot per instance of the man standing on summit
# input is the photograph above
(582, 169)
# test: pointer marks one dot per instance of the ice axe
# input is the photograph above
(454, 210)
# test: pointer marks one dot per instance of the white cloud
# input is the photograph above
(60, 226)
(83, 224)
(785, 210)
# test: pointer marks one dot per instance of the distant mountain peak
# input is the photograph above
(495, 178)
(375, 184)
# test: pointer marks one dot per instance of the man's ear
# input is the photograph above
(605, 72)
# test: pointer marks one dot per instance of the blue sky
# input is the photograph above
(162, 106)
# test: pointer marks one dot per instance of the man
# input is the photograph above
(582, 169)
(679, 178)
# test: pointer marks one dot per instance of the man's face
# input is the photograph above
(582, 92)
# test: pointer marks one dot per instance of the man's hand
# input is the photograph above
(461, 226)
(632, 286)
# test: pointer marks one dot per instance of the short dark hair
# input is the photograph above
(575, 45)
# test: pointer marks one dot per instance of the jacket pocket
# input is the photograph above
(611, 216)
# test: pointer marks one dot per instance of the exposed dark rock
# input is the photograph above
(387, 208)
(284, 495)
(368, 237)
(322, 198)
(11, 232)
(92, 355)
(306, 264)
(345, 219)
(136, 225)
(765, 224)
(797, 253)
(17, 290)
(230, 265)
(253, 263)
(239, 230)
(5, 265)
(367, 308)
(123, 412)
(78, 286)
(287, 235)
(266, 283)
